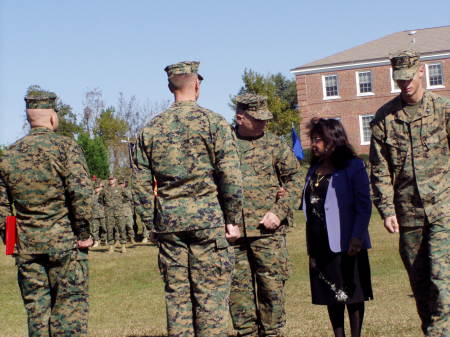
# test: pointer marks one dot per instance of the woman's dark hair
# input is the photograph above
(335, 138)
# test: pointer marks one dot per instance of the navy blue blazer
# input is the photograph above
(347, 205)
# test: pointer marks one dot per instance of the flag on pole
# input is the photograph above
(297, 145)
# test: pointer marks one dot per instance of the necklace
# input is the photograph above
(318, 180)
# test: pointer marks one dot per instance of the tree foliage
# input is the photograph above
(96, 154)
(281, 98)
(68, 125)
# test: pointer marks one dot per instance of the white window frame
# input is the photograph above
(394, 90)
(358, 88)
(361, 130)
(427, 74)
(324, 88)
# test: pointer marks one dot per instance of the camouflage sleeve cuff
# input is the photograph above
(81, 230)
(280, 211)
(148, 223)
(386, 211)
(234, 220)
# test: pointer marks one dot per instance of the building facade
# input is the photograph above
(352, 85)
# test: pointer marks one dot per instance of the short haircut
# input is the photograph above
(181, 81)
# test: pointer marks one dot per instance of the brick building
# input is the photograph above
(353, 84)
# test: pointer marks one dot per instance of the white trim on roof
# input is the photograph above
(346, 66)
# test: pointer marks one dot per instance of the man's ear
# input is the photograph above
(238, 119)
(54, 120)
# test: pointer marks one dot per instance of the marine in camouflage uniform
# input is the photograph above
(410, 178)
(98, 222)
(191, 152)
(261, 270)
(115, 219)
(44, 176)
(127, 210)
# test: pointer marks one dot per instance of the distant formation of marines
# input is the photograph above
(219, 218)
(113, 223)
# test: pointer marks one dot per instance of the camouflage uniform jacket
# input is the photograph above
(192, 154)
(127, 202)
(114, 199)
(267, 163)
(410, 161)
(98, 205)
(44, 175)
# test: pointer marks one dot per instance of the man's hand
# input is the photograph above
(232, 232)
(83, 244)
(281, 193)
(270, 221)
(354, 247)
(391, 224)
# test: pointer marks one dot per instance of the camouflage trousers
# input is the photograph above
(117, 224)
(257, 290)
(97, 225)
(129, 223)
(54, 290)
(196, 269)
(425, 252)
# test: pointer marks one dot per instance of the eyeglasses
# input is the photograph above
(316, 140)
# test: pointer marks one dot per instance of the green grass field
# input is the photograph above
(127, 299)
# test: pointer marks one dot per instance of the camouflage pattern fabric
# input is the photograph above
(44, 175)
(54, 288)
(41, 100)
(181, 68)
(412, 184)
(257, 290)
(257, 293)
(254, 105)
(115, 221)
(196, 269)
(417, 244)
(410, 174)
(404, 64)
(128, 213)
(267, 163)
(98, 229)
(191, 153)
(54, 166)
(98, 222)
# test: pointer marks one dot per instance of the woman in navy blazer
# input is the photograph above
(337, 205)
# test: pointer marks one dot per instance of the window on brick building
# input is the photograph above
(435, 76)
(364, 128)
(330, 86)
(364, 83)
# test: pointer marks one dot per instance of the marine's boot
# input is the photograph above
(144, 240)
(132, 241)
(95, 244)
(124, 248)
(111, 249)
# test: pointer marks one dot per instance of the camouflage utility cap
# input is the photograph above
(40, 100)
(254, 105)
(185, 67)
(404, 64)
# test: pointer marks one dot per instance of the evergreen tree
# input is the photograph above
(96, 154)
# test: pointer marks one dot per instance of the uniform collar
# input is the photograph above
(424, 109)
(40, 129)
(184, 103)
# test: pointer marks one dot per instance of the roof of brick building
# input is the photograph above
(427, 41)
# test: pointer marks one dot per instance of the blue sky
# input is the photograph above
(73, 46)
